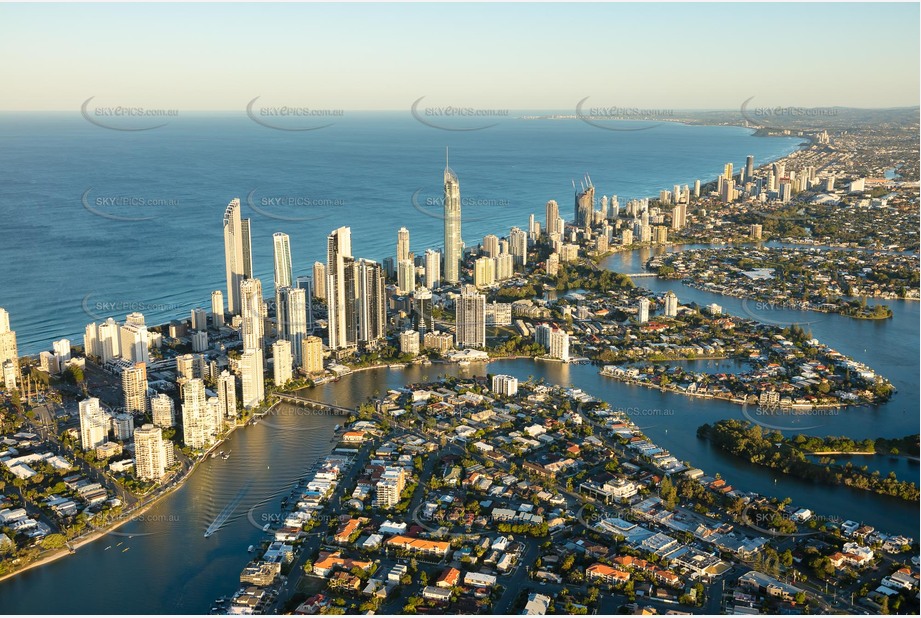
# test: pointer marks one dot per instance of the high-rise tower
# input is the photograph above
(233, 254)
(282, 246)
(452, 217)
(340, 288)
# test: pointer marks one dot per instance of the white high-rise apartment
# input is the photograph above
(233, 254)
(217, 309)
(552, 219)
(291, 313)
(518, 246)
(642, 315)
(282, 252)
(402, 244)
(251, 312)
(283, 360)
(109, 340)
(372, 301)
(312, 354)
(432, 269)
(491, 245)
(453, 253)
(671, 304)
(406, 276)
(133, 342)
(319, 281)
(251, 370)
(149, 453)
(94, 424)
(484, 271)
(134, 388)
(340, 287)
(163, 410)
(227, 394)
(197, 424)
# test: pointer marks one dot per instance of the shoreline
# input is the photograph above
(97, 533)
(742, 402)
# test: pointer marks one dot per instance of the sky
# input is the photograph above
(201, 57)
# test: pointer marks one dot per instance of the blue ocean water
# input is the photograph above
(67, 187)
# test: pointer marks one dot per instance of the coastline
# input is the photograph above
(70, 547)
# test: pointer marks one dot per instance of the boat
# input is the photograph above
(338, 427)
(126, 549)
(265, 528)
(109, 547)
(250, 548)
(225, 455)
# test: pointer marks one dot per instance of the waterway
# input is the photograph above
(170, 567)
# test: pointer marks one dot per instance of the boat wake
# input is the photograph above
(224, 515)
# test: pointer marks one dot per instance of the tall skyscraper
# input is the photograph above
(94, 424)
(406, 276)
(453, 252)
(749, 168)
(471, 318)
(585, 205)
(432, 269)
(282, 252)
(306, 284)
(217, 309)
(727, 173)
(372, 301)
(8, 349)
(292, 317)
(227, 394)
(340, 288)
(134, 388)
(251, 312)
(319, 281)
(533, 228)
(282, 362)
(552, 218)
(247, 248)
(402, 244)
(251, 370)
(149, 456)
(518, 246)
(233, 254)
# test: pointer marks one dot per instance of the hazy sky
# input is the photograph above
(506, 56)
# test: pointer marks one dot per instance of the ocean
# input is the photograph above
(99, 222)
